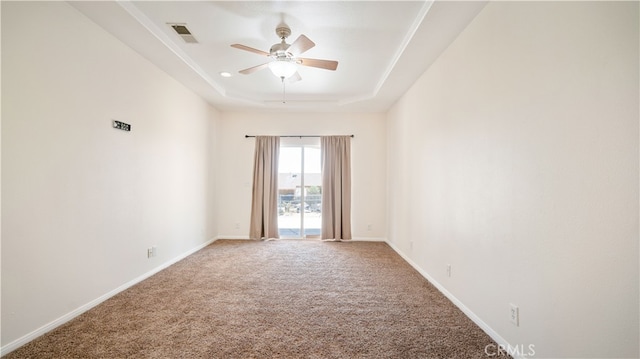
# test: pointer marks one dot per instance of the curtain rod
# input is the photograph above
(300, 136)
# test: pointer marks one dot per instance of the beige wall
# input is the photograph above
(368, 164)
(514, 158)
(81, 201)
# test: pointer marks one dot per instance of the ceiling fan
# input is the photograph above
(284, 57)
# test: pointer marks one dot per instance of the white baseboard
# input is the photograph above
(479, 322)
(6, 349)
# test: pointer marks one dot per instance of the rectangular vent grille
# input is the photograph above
(181, 29)
(184, 33)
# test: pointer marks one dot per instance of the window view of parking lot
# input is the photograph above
(299, 192)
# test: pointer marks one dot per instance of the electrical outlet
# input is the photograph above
(514, 314)
(448, 270)
(149, 252)
(237, 225)
(368, 227)
(154, 251)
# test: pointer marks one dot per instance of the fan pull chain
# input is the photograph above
(283, 89)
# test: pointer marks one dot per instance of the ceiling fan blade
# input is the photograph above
(251, 70)
(250, 49)
(295, 77)
(323, 64)
(301, 45)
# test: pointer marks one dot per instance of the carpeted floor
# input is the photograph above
(274, 299)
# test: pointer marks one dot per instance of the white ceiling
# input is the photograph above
(382, 47)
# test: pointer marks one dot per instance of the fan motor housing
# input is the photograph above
(279, 50)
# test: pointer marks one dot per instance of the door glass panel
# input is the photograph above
(299, 191)
(313, 192)
(289, 191)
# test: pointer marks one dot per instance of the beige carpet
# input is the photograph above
(275, 299)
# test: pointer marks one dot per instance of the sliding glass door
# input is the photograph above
(299, 188)
(312, 215)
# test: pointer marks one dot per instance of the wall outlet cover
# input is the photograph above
(514, 314)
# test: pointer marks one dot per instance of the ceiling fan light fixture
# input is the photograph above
(283, 68)
(284, 57)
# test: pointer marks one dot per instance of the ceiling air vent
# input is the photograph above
(184, 33)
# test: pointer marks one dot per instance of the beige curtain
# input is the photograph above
(336, 187)
(264, 203)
